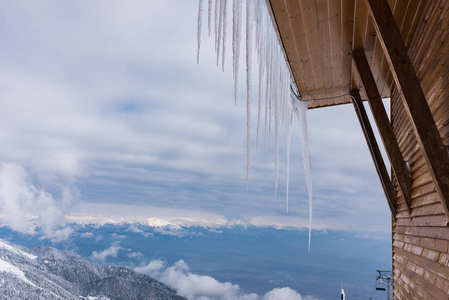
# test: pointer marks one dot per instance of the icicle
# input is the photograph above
(209, 13)
(234, 30)
(200, 21)
(249, 36)
(289, 139)
(274, 73)
(220, 30)
(267, 89)
(276, 148)
(260, 53)
(238, 35)
(276, 136)
(223, 54)
(302, 107)
(216, 23)
(259, 106)
(272, 90)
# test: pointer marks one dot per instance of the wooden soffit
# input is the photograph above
(318, 37)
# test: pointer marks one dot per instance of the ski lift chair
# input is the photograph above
(380, 285)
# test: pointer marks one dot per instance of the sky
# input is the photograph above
(106, 116)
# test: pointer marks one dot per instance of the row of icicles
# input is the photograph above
(281, 109)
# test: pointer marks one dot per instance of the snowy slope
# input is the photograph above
(47, 273)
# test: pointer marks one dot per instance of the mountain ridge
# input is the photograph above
(44, 272)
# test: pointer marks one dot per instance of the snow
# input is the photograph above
(4, 245)
(156, 222)
(9, 268)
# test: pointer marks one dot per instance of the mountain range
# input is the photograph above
(44, 272)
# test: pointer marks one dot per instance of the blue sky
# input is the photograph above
(106, 115)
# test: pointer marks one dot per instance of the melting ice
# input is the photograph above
(281, 111)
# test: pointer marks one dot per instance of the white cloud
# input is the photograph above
(58, 235)
(170, 220)
(145, 214)
(136, 255)
(200, 287)
(87, 235)
(133, 228)
(285, 293)
(27, 207)
(118, 236)
(103, 255)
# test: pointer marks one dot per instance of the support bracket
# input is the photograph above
(384, 126)
(413, 98)
(387, 185)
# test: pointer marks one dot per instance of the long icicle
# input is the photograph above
(238, 36)
(267, 89)
(198, 34)
(220, 29)
(234, 31)
(216, 10)
(276, 145)
(249, 36)
(225, 25)
(209, 13)
(302, 107)
(261, 56)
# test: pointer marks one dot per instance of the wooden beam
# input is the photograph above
(413, 97)
(387, 185)
(384, 126)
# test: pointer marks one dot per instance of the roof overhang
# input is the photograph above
(319, 36)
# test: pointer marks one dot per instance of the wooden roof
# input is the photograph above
(319, 36)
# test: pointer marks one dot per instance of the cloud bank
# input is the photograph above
(111, 251)
(200, 287)
(27, 208)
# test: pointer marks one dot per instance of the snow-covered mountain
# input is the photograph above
(47, 273)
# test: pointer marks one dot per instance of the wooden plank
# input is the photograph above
(420, 282)
(432, 211)
(431, 244)
(335, 38)
(358, 36)
(423, 190)
(383, 124)
(360, 19)
(428, 199)
(281, 21)
(297, 51)
(433, 267)
(422, 33)
(401, 15)
(413, 97)
(387, 185)
(309, 17)
(322, 18)
(441, 233)
(428, 34)
(347, 19)
(382, 79)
